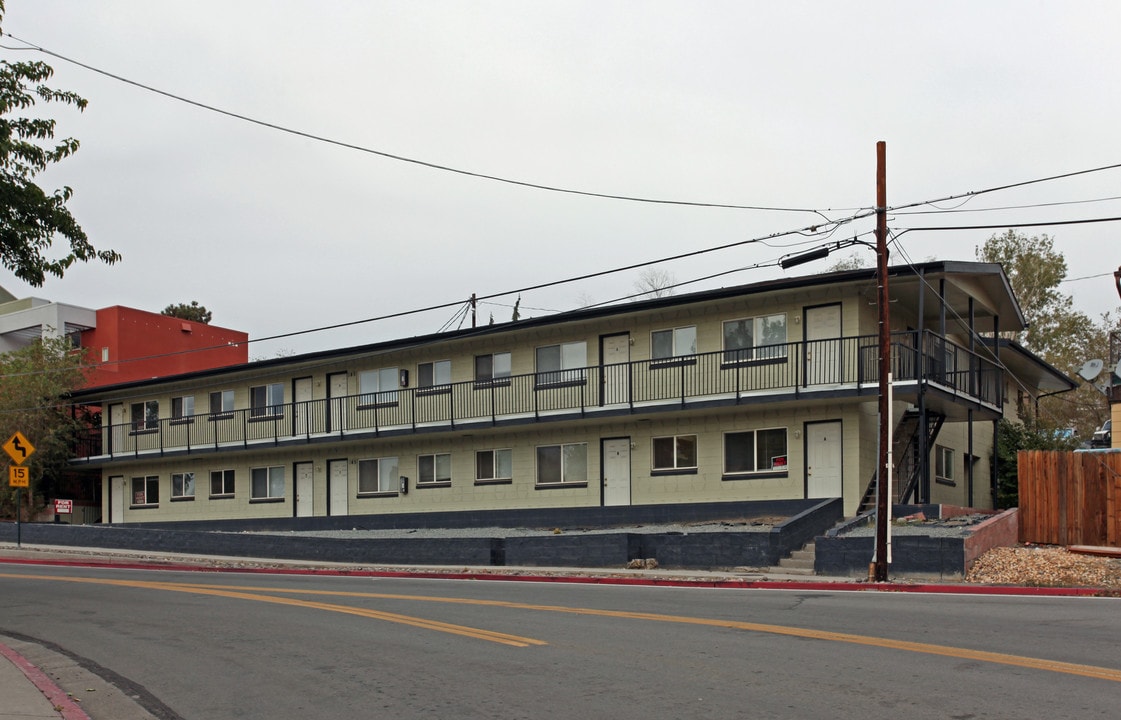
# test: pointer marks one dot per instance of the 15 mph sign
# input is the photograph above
(19, 449)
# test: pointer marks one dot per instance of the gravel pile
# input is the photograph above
(1035, 566)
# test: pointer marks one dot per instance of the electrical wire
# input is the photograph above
(402, 158)
(942, 211)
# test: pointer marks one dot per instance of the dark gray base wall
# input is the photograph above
(706, 550)
(572, 517)
(911, 555)
(917, 556)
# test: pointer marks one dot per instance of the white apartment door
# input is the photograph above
(117, 492)
(301, 396)
(338, 483)
(616, 454)
(615, 371)
(117, 430)
(824, 361)
(305, 489)
(824, 478)
(336, 404)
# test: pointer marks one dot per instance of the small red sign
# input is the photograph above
(63, 507)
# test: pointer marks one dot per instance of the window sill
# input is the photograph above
(437, 390)
(495, 481)
(392, 493)
(765, 475)
(673, 362)
(149, 506)
(145, 431)
(550, 385)
(266, 418)
(181, 421)
(184, 498)
(946, 481)
(220, 416)
(488, 384)
(223, 496)
(560, 485)
(255, 501)
(673, 471)
(751, 362)
(376, 406)
(434, 484)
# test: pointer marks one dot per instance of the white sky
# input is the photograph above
(749, 103)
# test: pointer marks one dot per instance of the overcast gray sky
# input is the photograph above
(776, 104)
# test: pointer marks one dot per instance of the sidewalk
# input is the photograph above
(28, 693)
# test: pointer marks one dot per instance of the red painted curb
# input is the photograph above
(855, 586)
(63, 704)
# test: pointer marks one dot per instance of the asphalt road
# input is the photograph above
(267, 646)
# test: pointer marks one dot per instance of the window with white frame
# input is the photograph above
(434, 375)
(676, 452)
(673, 343)
(183, 407)
(222, 483)
(146, 490)
(562, 363)
(496, 465)
(182, 485)
(145, 415)
(266, 400)
(378, 387)
(435, 468)
(562, 464)
(755, 451)
(377, 475)
(494, 368)
(222, 402)
(944, 463)
(266, 483)
(757, 338)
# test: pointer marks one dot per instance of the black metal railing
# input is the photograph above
(790, 369)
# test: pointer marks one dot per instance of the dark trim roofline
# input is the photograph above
(802, 281)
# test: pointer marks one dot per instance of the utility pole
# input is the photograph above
(880, 565)
(474, 308)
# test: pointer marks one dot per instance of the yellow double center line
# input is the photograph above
(254, 593)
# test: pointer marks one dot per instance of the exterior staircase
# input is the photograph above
(799, 562)
(905, 452)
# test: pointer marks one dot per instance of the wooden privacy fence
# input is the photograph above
(1070, 498)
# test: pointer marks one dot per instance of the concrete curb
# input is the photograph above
(579, 576)
(63, 704)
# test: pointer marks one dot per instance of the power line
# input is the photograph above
(943, 211)
(1013, 225)
(414, 161)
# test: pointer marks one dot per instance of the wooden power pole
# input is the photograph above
(880, 565)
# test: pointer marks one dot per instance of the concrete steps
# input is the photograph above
(800, 562)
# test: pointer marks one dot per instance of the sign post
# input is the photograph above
(19, 449)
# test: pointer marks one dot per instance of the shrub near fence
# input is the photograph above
(1070, 498)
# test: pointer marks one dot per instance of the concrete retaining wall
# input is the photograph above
(672, 550)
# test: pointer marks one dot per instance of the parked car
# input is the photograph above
(1103, 437)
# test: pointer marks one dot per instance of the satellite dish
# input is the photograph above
(1091, 370)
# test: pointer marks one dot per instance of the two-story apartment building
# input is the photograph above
(761, 391)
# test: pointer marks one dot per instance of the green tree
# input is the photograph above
(29, 217)
(194, 311)
(1057, 332)
(34, 383)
